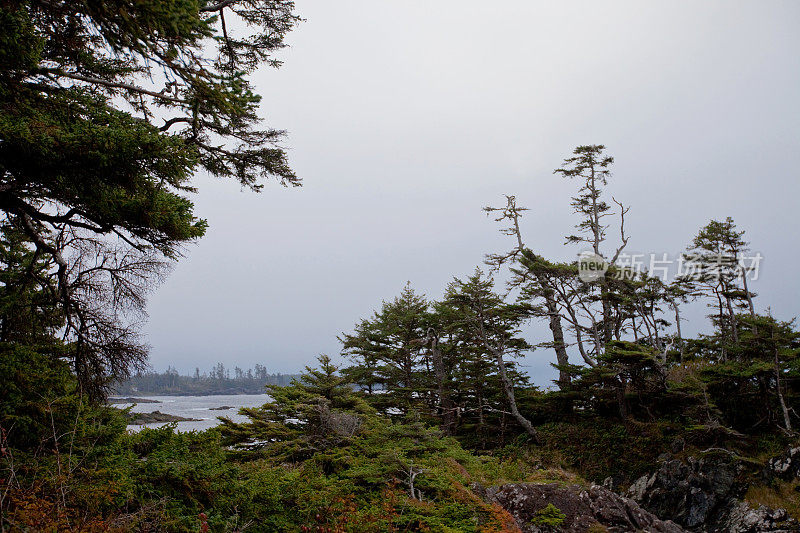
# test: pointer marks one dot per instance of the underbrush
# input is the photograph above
(779, 494)
(598, 448)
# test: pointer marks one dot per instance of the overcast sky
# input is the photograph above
(405, 118)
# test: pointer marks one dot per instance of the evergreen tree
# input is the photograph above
(493, 325)
(715, 271)
(389, 349)
(107, 109)
(28, 314)
(590, 166)
(754, 383)
(537, 281)
(625, 370)
(586, 314)
(313, 413)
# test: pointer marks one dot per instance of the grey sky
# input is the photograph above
(405, 118)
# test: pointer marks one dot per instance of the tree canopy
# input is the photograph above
(107, 111)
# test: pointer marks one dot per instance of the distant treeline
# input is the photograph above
(219, 380)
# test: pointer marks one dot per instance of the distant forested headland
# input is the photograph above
(219, 380)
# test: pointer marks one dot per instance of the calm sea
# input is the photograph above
(199, 407)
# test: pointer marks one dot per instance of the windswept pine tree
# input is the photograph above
(450, 360)
(717, 272)
(582, 314)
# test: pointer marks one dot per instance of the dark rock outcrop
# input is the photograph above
(704, 495)
(584, 508)
(691, 494)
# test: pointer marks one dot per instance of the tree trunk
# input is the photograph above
(786, 420)
(508, 387)
(674, 305)
(564, 379)
(748, 294)
(721, 324)
(623, 407)
(445, 403)
(608, 313)
(734, 320)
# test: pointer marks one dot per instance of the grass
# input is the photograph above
(783, 494)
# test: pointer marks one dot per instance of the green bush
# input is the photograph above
(549, 516)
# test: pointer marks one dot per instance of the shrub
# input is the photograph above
(549, 516)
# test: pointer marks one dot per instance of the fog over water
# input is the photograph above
(405, 118)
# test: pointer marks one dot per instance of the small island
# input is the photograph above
(117, 401)
(156, 417)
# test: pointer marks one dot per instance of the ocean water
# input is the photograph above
(196, 407)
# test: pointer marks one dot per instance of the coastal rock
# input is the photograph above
(704, 495)
(691, 494)
(115, 401)
(583, 508)
(156, 417)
